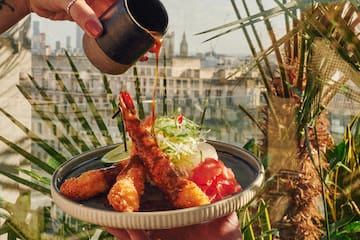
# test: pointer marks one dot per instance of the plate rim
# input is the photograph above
(158, 219)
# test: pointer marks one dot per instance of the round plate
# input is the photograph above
(248, 171)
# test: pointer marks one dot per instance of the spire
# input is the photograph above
(183, 46)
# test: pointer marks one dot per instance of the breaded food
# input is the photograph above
(125, 194)
(91, 183)
(182, 192)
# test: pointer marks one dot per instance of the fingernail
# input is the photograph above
(144, 58)
(93, 27)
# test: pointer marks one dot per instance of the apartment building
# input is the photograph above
(186, 81)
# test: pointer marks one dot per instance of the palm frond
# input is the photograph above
(112, 100)
(38, 162)
(249, 115)
(36, 138)
(77, 111)
(60, 136)
(35, 176)
(138, 95)
(277, 51)
(258, 17)
(252, 47)
(261, 218)
(89, 100)
(25, 182)
(61, 117)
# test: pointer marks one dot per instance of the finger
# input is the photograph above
(51, 10)
(118, 233)
(86, 18)
(225, 228)
(153, 49)
(137, 235)
(144, 58)
(53, 15)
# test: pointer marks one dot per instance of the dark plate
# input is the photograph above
(155, 213)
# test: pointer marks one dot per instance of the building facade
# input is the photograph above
(188, 82)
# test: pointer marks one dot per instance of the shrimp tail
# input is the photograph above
(182, 192)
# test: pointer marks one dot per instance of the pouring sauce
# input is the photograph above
(156, 49)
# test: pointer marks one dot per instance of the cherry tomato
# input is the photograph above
(215, 179)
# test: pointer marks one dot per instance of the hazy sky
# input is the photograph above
(189, 16)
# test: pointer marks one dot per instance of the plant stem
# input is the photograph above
(320, 172)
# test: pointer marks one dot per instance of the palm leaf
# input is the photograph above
(246, 228)
(12, 230)
(35, 176)
(259, 17)
(260, 218)
(38, 162)
(64, 120)
(78, 113)
(264, 220)
(276, 48)
(139, 102)
(252, 47)
(24, 222)
(34, 137)
(249, 115)
(23, 181)
(114, 105)
(98, 119)
(61, 136)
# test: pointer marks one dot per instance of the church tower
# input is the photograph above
(183, 46)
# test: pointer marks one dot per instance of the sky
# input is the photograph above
(189, 16)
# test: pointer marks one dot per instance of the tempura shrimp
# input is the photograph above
(91, 183)
(182, 192)
(125, 194)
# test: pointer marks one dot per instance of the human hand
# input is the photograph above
(73, 10)
(225, 228)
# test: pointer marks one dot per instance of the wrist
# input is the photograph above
(12, 12)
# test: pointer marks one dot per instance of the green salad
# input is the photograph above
(178, 137)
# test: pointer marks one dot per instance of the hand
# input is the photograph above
(225, 228)
(80, 12)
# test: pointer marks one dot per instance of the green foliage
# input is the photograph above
(17, 223)
(345, 228)
(21, 221)
(257, 225)
(304, 68)
(305, 23)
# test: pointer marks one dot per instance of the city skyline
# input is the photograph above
(187, 16)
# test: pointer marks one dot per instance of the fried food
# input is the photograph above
(124, 182)
(182, 192)
(125, 194)
(91, 183)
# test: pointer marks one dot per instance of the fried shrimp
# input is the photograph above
(182, 192)
(91, 183)
(125, 194)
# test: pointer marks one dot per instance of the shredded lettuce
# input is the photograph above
(179, 138)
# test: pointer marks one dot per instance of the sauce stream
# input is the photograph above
(158, 43)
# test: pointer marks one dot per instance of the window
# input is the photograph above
(54, 129)
(39, 127)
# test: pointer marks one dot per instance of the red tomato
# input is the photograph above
(215, 179)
